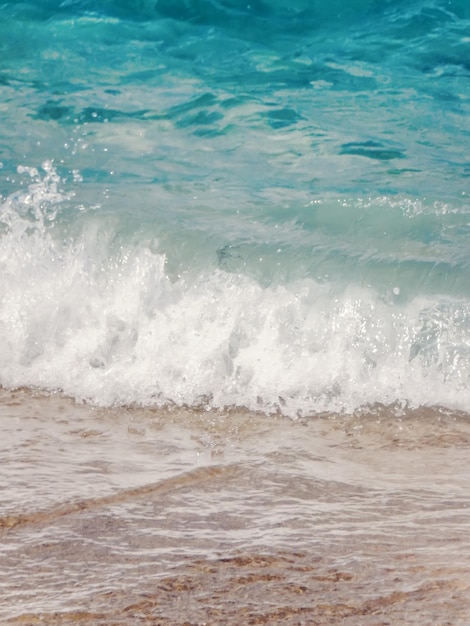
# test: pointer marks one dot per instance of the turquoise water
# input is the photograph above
(219, 203)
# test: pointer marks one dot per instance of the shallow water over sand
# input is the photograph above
(183, 517)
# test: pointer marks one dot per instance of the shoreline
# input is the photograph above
(122, 516)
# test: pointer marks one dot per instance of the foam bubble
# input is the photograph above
(106, 324)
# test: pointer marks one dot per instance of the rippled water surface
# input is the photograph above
(234, 259)
(219, 203)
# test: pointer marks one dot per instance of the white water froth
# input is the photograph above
(110, 327)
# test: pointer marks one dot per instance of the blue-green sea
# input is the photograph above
(216, 203)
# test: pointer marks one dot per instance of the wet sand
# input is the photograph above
(136, 516)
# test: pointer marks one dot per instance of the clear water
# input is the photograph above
(216, 204)
(144, 516)
(255, 207)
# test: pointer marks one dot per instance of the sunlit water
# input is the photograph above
(234, 312)
(224, 204)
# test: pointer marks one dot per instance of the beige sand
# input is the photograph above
(184, 517)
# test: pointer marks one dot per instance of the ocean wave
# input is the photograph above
(102, 320)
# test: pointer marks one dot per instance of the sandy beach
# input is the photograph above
(133, 516)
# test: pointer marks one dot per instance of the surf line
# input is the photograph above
(180, 481)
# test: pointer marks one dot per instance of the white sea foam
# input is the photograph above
(109, 326)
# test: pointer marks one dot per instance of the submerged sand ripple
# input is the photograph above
(192, 518)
